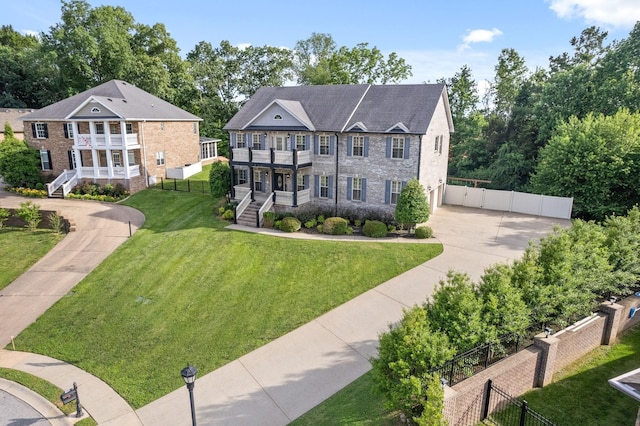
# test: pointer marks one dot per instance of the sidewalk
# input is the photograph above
(100, 229)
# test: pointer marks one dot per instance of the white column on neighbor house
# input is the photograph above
(76, 151)
(124, 157)
(94, 152)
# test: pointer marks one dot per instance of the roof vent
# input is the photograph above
(110, 100)
(124, 100)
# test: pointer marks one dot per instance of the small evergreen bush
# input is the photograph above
(228, 214)
(321, 219)
(423, 232)
(335, 226)
(290, 224)
(310, 223)
(374, 229)
(56, 222)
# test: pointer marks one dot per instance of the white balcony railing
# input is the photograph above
(100, 141)
(103, 172)
(285, 198)
(264, 156)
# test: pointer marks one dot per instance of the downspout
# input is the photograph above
(419, 155)
(144, 158)
(337, 173)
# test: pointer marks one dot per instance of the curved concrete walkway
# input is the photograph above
(283, 379)
(99, 229)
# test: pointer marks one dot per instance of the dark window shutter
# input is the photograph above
(307, 142)
(407, 144)
(349, 145)
(363, 197)
(70, 154)
(330, 187)
(263, 141)
(332, 142)
(316, 186)
(315, 144)
(233, 140)
(388, 151)
(387, 191)
(305, 180)
(66, 130)
(49, 156)
(46, 131)
(33, 130)
(404, 183)
(349, 187)
(263, 180)
(366, 146)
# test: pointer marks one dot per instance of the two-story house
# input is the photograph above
(114, 133)
(342, 146)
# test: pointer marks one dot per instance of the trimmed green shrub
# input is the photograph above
(335, 226)
(310, 223)
(357, 223)
(30, 213)
(4, 216)
(423, 232)
(277, 224)
(269, 219)
(374, 229)
(228, 214)
(320, 228)
(290, 224)
(221, 211)
(391, 228)
(321, 219)
(220, 178)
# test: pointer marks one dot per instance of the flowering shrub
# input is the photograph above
(28, 192)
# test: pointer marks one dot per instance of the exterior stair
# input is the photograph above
(248, 217)
(58, 193)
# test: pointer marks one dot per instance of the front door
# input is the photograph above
(278, 185)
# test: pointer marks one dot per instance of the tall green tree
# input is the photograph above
(412, 207)
(19, 163)
(319, 61)
(511, 73)
(596, 161)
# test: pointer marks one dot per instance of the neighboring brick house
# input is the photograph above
(345, 147)
(112, 133)
(13, 116)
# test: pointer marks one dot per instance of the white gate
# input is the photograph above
(510, 201)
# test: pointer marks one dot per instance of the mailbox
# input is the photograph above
(69, 396)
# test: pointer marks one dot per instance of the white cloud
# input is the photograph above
(613, 13)
(31, 33)
(479, 36)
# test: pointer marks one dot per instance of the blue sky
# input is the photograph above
(435, 37)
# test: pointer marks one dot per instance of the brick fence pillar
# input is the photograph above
(614, 313)
(549, 347)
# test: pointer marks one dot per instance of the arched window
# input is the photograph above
(277, 117)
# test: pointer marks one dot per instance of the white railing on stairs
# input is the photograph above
(67, 180)
(242, 206)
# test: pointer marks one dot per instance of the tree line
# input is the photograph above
(92, 45)
(548, 131)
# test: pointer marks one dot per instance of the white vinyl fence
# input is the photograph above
(510, 201)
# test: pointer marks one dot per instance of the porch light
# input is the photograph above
(189, 375)
(613, 299)
(547, 331)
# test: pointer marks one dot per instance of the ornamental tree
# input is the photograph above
(412, 207)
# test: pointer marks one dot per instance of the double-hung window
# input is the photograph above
(240, 143)
(160, 158)
(40, 130)
(356, 189)
(45, 159)
(68, 130)
(300, 142)
(397, 147)
(243, 176)
(257, 181)
(255, 141)
(300, 182)
(100, 128)
(396, 188)
(324, 186)
(357, 146)
(324, 144)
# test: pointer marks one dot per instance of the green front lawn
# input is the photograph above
(184, 290)
(20, 249)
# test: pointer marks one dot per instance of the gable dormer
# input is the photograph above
(282, 113)
(397, 128)
(357, 127)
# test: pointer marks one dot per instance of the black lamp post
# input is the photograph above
(189, 375)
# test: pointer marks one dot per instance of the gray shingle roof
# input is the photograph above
(338, 107)
(124, 99)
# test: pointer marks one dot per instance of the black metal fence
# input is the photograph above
(184, 185)
(501, 409)
(471, 362)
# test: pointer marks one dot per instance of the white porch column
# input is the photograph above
(107, 133)
(94, 152)
(125, 162)
(109, 163)
(76, 151)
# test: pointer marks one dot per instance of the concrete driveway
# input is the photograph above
(282, 380)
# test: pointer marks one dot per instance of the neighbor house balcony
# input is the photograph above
(270, 156)
(117, 141)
